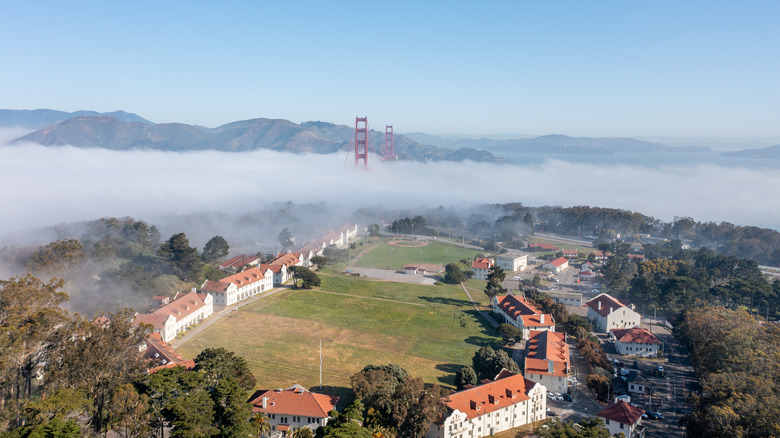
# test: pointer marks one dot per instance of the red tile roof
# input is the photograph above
(251, 275)
(518, 307)
(635, 335)
(482, 263)
(238, 261)
(543, 346)
(606, 302)
(214, 286)
(157, 321)
(559, 261)
(294, 400)
(507, 389)
(622, 412)
(570, 251)
(182, 306)
(287, 259)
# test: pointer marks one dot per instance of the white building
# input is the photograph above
(512, 262)
(621, 417)
(557, 265)
(547, 360)
(509, 401)
(635, 342)
(293, 408)
(186, 310)
(481, 266)
(565, 298)
(607, 313)
(241, 286)
(516, 310)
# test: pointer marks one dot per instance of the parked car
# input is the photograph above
(551, 396)
(550, 412)
(567, 397)
(654, 415)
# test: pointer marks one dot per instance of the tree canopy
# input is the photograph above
(215, 249)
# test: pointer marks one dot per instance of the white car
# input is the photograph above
(551, 396)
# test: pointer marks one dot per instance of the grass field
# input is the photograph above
(561, 244)
(429, 330)
(387, 256)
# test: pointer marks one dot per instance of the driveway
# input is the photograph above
(390, 275)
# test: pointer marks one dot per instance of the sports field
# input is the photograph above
(429, 330)
(395, 256)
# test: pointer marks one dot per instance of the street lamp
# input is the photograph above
(391, 258)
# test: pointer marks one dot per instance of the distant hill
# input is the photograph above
(247, 135)
(39, 118)
(556, 144)
(772, 152)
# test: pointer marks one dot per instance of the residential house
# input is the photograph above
(621, 417)
(607, 313)
(601, 256)
(547, 359)
(240, 286)
(508, 401)
(481, 266)
(557, 265)
(635, 342)
(516, 310)
(422, 269)
(570, 253)
(162, 355)
(186, 310)
(236, 263)
(294, 407)
(512, 262)
(278, 273)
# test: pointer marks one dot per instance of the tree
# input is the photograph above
(495, 282)
(193, 415)
(465, 376)
(320, 261)
(487, 363)
(303, 432)
(373, 230)
(57, 258)
(183, 259)
(508, 331)
(453, 274)
(586, 428)
(129, 412)
(376, 384)
(261, 423)
(218, 363)
(309, 278)
(286, 239)
(216, 248)
(232, 412)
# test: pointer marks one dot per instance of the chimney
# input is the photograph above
(610, 309)
(541, 318)
(599, 305)
(550, 367)
(194, 290)
(265, 402)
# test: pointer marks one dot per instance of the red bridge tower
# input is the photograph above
(388, 153)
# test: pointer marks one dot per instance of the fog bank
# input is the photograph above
(45, 186)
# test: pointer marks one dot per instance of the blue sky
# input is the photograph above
(631, 68)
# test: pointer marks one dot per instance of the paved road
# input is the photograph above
(391, 275)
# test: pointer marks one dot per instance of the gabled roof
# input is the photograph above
(606, 301)
(544, 346)
(518, 307)
(570, 251)
(622, 412)
(249, 276)
(482, 263)
(287, 259)
(215, 286)
(238, 261)
(157, 321)
(505, 390)
(273, 268)
(182, 306)
(634, 335)
(560, 261)
(294, 400)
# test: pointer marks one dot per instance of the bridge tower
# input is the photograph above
(388, 153)
(361, 141)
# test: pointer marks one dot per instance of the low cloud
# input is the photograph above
(45, 186)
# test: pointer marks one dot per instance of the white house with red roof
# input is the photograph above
(608, 313)
(293, 408)
(635, 342)
(240, 286)
(509, 401)
(481, 266)
(570, 253)
(186, 310)
(557, 265)
(516, 310)
(621, 417)
(547, 360)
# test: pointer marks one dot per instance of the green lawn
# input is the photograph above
(395, 257)
(429, 330)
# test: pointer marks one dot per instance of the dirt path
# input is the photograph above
(484, 313)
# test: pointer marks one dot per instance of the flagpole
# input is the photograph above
(320, 364)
